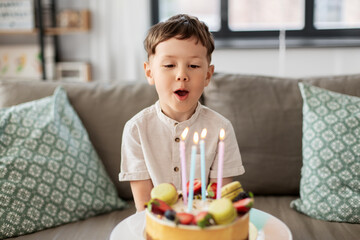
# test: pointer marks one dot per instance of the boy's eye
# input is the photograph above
(194, 66)
(169, 65)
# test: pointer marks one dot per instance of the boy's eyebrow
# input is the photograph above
(173, 56)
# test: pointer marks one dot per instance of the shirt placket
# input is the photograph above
(176, 168)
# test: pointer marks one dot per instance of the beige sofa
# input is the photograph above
(266, 113)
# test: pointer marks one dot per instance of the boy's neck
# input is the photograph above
(179, 116)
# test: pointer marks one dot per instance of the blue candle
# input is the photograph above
(203, 166)
(192, 172)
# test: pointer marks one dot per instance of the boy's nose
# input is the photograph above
(182, 78)
(182, 74)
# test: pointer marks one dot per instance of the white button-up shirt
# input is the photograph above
(151, 146)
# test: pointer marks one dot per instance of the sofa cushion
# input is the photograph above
(330, 183)
(103, 109)
(266, 113)
(50, 173)
(94, 228)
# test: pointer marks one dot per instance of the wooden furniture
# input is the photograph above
(52, 31)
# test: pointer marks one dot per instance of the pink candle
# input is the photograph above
(192, 171)
(183, 163)
(220, 163)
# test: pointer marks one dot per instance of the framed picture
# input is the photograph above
(23, 61)
(17, 15)
(73, 72)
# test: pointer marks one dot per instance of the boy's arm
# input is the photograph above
(224, 181)
(141, 191)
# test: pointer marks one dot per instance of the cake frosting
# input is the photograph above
(160, 228)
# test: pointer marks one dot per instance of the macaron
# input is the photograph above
(165, 192)
(222, 211)
(231, 190)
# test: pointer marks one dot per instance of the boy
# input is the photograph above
(179, 55)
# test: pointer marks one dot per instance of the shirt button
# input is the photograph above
(177, 139)
(176, 169)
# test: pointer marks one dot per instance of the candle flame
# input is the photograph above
(184, 133)
(196, 137)
(203, 133)
(222, 134)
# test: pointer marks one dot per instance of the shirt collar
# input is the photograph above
(171, 122)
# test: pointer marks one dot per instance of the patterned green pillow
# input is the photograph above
(50, 173)
(330, 176)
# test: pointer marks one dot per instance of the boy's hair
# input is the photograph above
(181, 26)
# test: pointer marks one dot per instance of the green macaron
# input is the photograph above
(222, 211)
(165, 192)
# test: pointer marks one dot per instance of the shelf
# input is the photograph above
(61, 31)
(65, 22)
(48, 31)
(85, 27)
(18, 32)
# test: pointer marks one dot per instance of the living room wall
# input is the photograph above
(297, 62)
(114, 47)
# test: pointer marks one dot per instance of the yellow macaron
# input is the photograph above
(231, 190)
(222, 211)
(165, 192)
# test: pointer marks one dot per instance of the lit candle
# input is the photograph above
(202, 152)
(220, 163)
(183, 163)
(192, 171)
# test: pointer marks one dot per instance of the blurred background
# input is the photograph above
(93, 40)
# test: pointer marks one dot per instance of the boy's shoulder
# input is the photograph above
(212, 115)
(142, 116)
(214, 120)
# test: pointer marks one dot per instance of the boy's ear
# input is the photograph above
(148, 73)
(209, 74)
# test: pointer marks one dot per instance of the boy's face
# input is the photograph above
(180, 71)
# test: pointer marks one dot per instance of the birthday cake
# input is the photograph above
(169, 216)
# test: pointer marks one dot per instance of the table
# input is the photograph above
(268, 226)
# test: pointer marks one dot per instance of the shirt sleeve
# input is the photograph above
(232, 158)
(133, 165)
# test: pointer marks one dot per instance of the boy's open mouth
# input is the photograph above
(181, 93)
